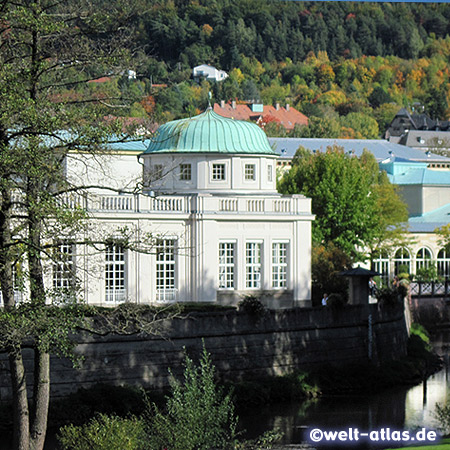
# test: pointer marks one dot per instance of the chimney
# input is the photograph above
(233, 104)
(222, 103)
(277, 106)
(287, 106)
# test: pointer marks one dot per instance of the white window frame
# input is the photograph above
(381, 265)
(443, 263)
(218, 172)
(424, 258)
(186, 172)
(115, 273)
(280, 264)
(249, 172)
(227, 264)
(166, 269)
(253, 264)
(63, 275)
(403, 259)
(269, 173)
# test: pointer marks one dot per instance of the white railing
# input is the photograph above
(166, 295)
(228, 204)
(255, 205)
(116, 203)
(115, 295)
(191, 204)
(172, 204)
(282, 206)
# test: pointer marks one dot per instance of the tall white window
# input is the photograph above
(423, 258)
(165, 270)
(63, 267)
(443, 263)
(402, 261)
(253, 265)
(250, 172)
(269, 173)
(226, 265)
(279, 265)
(115, 273)
(381, 265)
(218, 172)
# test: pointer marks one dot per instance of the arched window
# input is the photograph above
(423, 259)
(443, 263)
(402, 261)
(381, 265)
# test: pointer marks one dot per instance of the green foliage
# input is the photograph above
(420, 331)
(427, 273)
(198, 417)
(84, 404)
(252, 305)
(339, 187)
(443, 417)
(105, 433)
(389, 296)
(327, 261)
(336, 301)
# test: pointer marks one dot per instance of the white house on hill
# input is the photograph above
(221, 231)
(208, 73)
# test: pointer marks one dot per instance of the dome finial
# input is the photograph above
(209, 100)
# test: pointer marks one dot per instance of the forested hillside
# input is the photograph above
(348, 66)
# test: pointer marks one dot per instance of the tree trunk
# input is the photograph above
(20, 401)
(41, 399)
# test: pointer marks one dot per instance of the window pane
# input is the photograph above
(253, 265)
(218, 172)
(226, 265)
(279, 265)
(165, 270)
(115, 275)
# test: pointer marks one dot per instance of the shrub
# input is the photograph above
(199, 416)
(252, 306)
(389, 296)
(336, 301)
(443, 416)
(104, 433)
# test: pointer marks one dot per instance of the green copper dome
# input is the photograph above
(210, 133)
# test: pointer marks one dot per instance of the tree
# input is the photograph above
(348, 198)
(45, 47)
(199, 415)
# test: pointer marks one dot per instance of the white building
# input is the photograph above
(209, 73)
(220, 229)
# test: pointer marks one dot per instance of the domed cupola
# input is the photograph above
(210, 133)
(212, 154)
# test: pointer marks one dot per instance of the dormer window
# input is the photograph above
(218, 172)
(250, 172)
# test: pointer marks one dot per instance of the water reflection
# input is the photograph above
(400, 408)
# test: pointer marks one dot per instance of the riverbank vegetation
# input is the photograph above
(92, 413)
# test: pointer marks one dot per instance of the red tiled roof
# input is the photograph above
(100, 80)
(286, 117)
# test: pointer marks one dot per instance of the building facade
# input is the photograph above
(208, 226)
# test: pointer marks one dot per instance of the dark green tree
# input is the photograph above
(346, 197)
(45, 47)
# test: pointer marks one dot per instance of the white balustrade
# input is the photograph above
(228, 204)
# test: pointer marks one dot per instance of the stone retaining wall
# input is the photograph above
(241, 345)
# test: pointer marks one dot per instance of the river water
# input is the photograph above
(398, 408)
